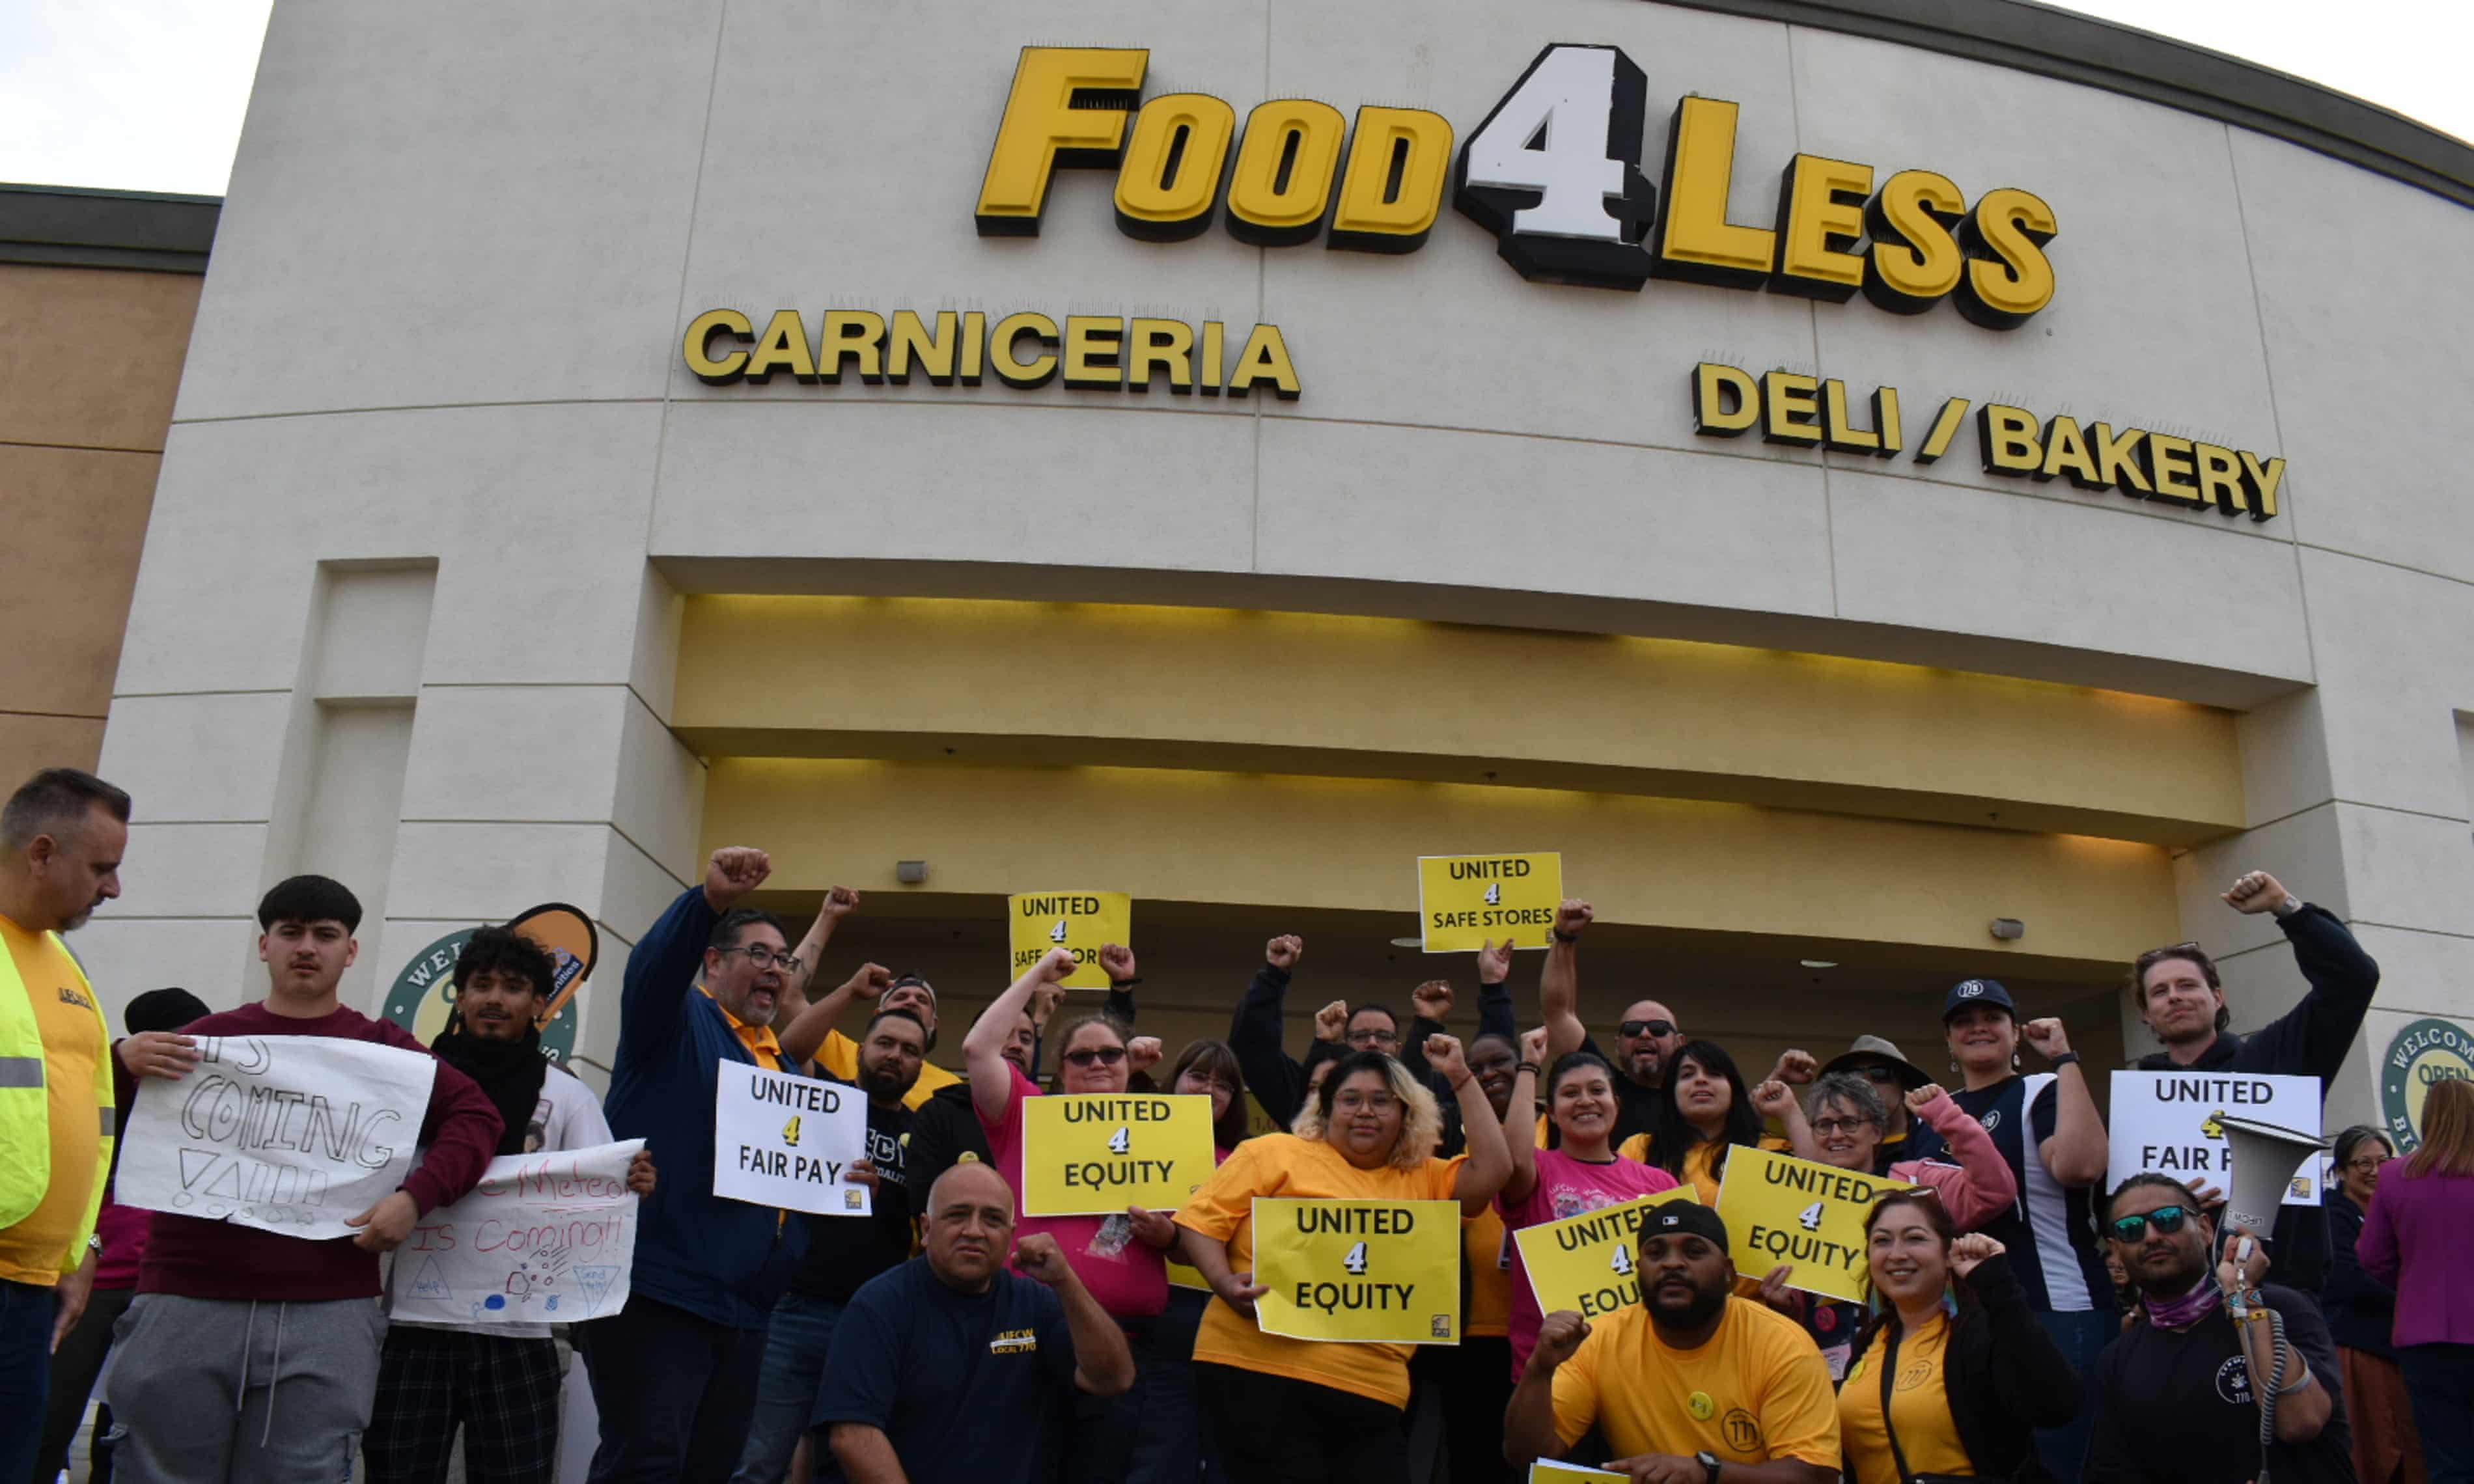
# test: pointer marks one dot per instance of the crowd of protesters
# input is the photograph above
(2021, 1320)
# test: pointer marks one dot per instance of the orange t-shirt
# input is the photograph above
(1485, 1246)
(37, 1248)
(1283, 1164)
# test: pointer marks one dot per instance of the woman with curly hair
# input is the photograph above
(1290, 1411)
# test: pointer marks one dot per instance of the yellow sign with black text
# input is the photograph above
(1463, 900)
(1180, 1276)
(1586, 1263)
(1367, 1272)
(1094, 1154)
(1779, 1208)
(1036, 921)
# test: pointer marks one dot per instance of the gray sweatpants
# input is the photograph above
(209, 1390)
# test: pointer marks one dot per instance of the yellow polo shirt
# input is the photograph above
(1758, 1389)
(1919, 1404)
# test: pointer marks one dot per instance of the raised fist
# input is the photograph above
(1058, 966)
(840, 902)
(1332, 1022)
(1572, 916)
(734, 872)
(1532, 1047)
(1972, 1248)
(1917, 1099)
(1559, 1335)
(2256, 891)
(1142, 1054)
(1795, 1066)
(1117, 962)
(1037, 1255)
(1284, 951)
(1044, 1000)
(1432, 1000)
(1772, 1099)
(2047, 1036)
(1444, 1055)
(1495, 962)
(870, 982)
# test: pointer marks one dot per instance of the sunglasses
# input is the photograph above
(2166, 1219)
(1638, 1028)
(1879, 1073)
(1106, 1056)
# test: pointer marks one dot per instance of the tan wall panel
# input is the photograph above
(1301, 693)
(76, 520)
(31, 742)
(90, 357)
(1350, 843)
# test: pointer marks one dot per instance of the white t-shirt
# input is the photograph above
(568, 1117)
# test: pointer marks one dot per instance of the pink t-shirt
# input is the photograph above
(1132, 1282)
(1566, 1187)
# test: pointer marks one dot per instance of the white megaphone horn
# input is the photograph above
(2263, 1157)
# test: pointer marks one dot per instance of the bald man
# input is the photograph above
(953, 1370)
(1646, 1039)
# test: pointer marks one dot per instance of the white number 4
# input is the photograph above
(1811, 1217)
(1622, 1263)
(1057, 934)
(1355, 1262)
(1555, 169)
(1118, 1142)
(1495, 895)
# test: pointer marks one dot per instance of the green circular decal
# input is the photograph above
(2423, 1052)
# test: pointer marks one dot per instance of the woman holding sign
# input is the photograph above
(1119, 1257)
(1954, 1372)
(1293, 1411)
(1706, 1112)
(1581, 1175)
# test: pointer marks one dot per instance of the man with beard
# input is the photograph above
(843, 1252)
(674, 1371)
(951, 1370)
(498, 1382)
(1689, 1366)
(2177, 1399)
(1646, 1039)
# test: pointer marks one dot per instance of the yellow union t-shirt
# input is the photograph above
(1283, 1164)
(1758, 1389)
(37, 1248)
(1919, 1404)
(839, 1057)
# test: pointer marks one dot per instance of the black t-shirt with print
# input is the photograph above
(845, 1252)
(2177, 1407)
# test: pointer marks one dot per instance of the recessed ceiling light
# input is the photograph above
(1408, 943)
(1820, 962)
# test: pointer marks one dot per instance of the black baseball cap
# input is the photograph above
(1977, 992)
(1689, 1217)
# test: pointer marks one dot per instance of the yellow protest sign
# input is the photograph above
(1179, 1276)
(1546, 1470)
(1465, 900)
(1379, 1272)
(1779, 1208)
(1036, 921)
(1584, 1262)
(1094, 1154)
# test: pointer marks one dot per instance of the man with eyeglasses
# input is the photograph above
(2177, 1399)
(2181, 996)
(675, 1371)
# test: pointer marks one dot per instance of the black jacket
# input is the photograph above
(2003, 1375)
(1278, 1082)
(2309, 1040)
(2361, 1309)
(942, 1129)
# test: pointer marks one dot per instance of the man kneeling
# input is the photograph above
(951, 1370)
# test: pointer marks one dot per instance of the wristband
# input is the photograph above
(2066, 1058)
(1123, 984)
(2291, 905)
(2299, 1381)
(1562, 936)
(1531, 1067)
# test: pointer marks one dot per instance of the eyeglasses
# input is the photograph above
(1879, 1073)
(763, 957)
(1104, 1055)
(2166, 1219)
(1373, 1038)
(1639, 1028)
(1353, 1102)
(1839, 1125)
(2366, 1163)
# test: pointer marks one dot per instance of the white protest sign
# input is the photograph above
(2165, 1123)
(545, 1238)
(289, 1134)
(788, 1141)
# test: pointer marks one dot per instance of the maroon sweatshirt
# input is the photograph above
(220, 1260)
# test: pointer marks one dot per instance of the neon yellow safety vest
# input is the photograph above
(25, 1104)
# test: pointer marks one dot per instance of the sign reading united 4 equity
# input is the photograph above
(788, 1141)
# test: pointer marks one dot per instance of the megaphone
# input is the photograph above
(2263, 1157)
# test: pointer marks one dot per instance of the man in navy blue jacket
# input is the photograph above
(2182, 999)
(675, 1371)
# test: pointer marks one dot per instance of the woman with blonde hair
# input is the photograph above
(2414, 1240)
(1290, 1411)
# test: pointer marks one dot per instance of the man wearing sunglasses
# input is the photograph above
(2176, 1397)
(675, 1371)
(1646, 1039)
(2181, 996)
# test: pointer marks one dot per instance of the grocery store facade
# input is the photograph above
(1840, 483)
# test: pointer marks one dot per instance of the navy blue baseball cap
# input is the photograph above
(1977, 992)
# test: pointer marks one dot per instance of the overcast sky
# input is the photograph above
(149, 95)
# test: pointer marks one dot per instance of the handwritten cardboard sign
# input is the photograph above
(545, 1238)
(288, 1134)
